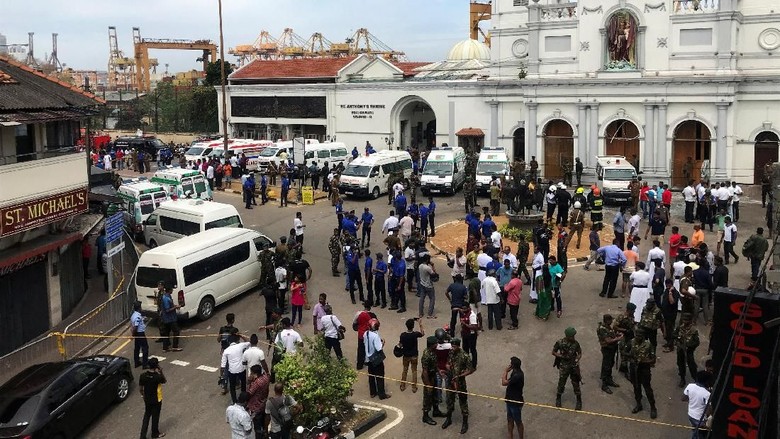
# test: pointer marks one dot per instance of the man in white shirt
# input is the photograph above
(288, 339)
(512, 258)
(697, 396)
(723, 195)
(689, 193)
(654, 254)
(495, 239)
(107, 162)
(390, 224)
(239, 419)
(397, 189)
(281, 279)
(536, 270)
(737, 192)
(492, 299)
(232, 361)
(405, 227)
(299, 226)
(729, 238)
(640, 291)
(633, 224)
(254, 355)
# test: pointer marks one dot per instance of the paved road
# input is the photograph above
(193, 406)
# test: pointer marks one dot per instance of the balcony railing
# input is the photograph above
(559, 12)
(39, 155)
(695, 6)
(49, 173)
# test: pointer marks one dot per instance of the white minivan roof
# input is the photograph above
(195, 207)
(197, 242)
(140, 186)
(384, 156)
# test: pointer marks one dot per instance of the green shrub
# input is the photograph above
(317, 380)
(513, 233)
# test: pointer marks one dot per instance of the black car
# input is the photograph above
(59, 400)
(149, 145)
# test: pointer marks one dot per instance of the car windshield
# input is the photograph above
(269, 152)
(231, 221)
(17, 410)
(158, 143)
(147, 204)
(619, 174)
(436, 168)
(186, 186)
(357, 170)
(149, 276)
(491, 168)
(196, 150)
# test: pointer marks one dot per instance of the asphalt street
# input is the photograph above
(194, 407)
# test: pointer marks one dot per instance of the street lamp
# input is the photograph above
(222, 76)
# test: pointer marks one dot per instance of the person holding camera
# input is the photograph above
(150, 385)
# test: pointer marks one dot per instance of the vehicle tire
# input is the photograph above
(206, 308)
(152, 243)
(122, 388)
(376, 192)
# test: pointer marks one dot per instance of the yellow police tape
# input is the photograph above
(61, 336)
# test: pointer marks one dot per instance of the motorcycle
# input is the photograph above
(325, 428)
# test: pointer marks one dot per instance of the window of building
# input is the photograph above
(216, 264)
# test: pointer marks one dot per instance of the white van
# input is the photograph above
(368, 175)
(183, 183)
(444, 171)
(273, 152)
(204, 270)
(180, 218)
(614, 174)
(139, 200)
(492, 162)
(331, 152)
(202, 150)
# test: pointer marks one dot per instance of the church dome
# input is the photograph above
(469, 50)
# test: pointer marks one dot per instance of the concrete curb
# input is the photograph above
(372, 421)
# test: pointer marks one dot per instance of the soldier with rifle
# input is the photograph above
(567, 353)
(609, 340)
(624, 325)
(642, 359)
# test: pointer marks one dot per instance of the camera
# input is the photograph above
(221, 382)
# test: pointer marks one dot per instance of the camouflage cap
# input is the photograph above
(431, 341)
(455, 341)
(630, 306)
(570, 332)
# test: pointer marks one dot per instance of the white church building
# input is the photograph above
(662, 80)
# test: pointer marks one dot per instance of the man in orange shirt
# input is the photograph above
(697, 237)
(631, 259)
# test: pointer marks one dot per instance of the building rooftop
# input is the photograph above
(304, 69)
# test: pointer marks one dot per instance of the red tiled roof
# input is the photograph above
(470, 132)
(5, 78)
(303, 68)
(11, 64)
(292, 68)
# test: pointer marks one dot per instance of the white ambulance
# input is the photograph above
(444, 171)
(614, 174)
(492, 162)
(366, 176)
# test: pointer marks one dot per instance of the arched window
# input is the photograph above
(621, 46)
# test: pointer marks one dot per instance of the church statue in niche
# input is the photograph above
(621, 41)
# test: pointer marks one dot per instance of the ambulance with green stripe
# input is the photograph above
(183, 183)
(139, 199)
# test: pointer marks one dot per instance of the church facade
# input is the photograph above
(665, 81)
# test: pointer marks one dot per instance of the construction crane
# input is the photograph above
(143, 62)
(53, 61)
(479, 12)
(291, 45)
(364, 42)
(317, 45)
(264, 47)
(120, 68)
(30, 61)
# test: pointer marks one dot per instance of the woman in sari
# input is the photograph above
(544, 289)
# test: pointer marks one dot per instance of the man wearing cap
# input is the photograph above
(138, 330)
(150, 385)
(650, 321)
(609, 340)
(642, 360)
(634, 187)
(429, 371)
(576, 222)
(459, 366)
(597, 207)
(686, 338)
(567, 353)
(624, 324)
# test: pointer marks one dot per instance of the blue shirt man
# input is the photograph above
(493, 265)
(100, 243)
(137, 321)
(368, 266)
(263, 182)
(487, 227)
(398, 267)
(423, 212)
(381, 269)
(167, 309)
(352, 261)
(432, 208)
(349, 226)
(285, 183)
(339, 206)
(504, 274)
(400, 205)
(474, 224)
(613, 256)
(355, 153)
(413, 210)
(366, 218)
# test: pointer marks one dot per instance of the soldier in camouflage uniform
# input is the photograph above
(624, 324)
(391, 180)
(459, 365)
(429, 371)
(414, 183)
(334, 245)
(567, 353)
(469, 193)
(642, 358)
(267, 276)
(608, 339)
(686, 338)
(651, 320)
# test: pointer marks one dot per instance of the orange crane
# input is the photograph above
(364, 41)
(144, 63)
(291, 45)
(479, 12)
(120, 68)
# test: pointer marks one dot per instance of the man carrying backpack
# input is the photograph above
(281, 408)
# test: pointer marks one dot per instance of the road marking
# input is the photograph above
(157, 357)
(120, 347)
(399, 416)
(207, 368)
(180, 363)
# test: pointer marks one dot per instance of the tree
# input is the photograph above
(213, 78)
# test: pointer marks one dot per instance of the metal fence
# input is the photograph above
(39, 351)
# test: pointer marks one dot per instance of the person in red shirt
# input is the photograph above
(666, 197)
(512, 289)
(120, 156)
(674, 243)
(643, 199)
(360, 324)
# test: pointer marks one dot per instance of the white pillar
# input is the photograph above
(451, 138)
(582, 122)
(531, 132)
(720, 140)
(493, 123)
(647, 164)
(662, 165)
(593, 136)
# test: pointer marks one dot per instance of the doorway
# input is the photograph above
(558, 148)
(691, 139)
(766, 151)
(518, 144)
(622, 138)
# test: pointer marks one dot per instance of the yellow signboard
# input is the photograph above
(307, 193)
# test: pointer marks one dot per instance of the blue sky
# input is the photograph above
(424, 29)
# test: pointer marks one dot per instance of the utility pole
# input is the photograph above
(222, 76)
